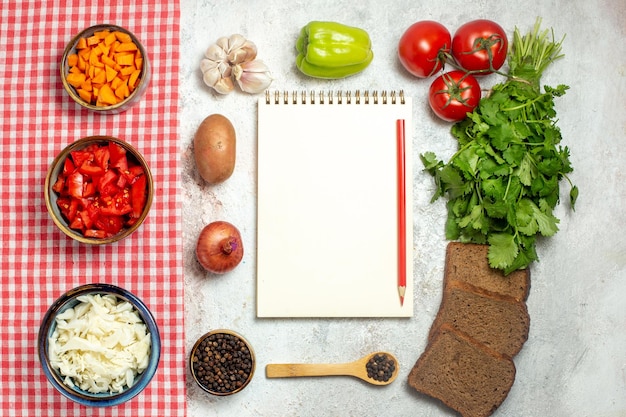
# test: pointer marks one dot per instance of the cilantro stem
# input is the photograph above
(532, 53)
(508, 184)
(525, 104)
(461, 149)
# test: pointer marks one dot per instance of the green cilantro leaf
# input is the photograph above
(502, 250)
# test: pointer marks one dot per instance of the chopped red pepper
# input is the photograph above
(75, 184)
(100, 190)
(118, 157)
(138, 196)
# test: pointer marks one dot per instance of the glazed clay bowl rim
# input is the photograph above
(133, 98)
(48, 325)
(232, 333)
(51, 197)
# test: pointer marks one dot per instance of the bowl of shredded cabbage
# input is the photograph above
(99, 345)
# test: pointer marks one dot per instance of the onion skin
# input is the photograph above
(219, 247)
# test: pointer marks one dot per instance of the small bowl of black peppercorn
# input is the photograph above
(222, 362)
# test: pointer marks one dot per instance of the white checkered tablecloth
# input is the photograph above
(39, 263)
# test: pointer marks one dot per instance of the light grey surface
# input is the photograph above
(574, 363)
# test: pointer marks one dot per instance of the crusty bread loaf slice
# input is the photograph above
(464, 374)
(500, 322)
(468, 262)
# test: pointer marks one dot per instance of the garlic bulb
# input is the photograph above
(230, 59)
(252, 76)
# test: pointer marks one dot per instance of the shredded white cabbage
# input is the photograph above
(100, 345)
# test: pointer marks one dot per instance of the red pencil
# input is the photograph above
(400, 136)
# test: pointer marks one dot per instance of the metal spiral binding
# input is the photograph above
(340, 97)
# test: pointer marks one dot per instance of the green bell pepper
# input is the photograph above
(332, 50)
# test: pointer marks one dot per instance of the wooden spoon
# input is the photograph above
(357, 368)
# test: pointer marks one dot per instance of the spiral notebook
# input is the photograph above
(328, 205)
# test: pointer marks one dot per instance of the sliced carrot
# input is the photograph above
(106, 67)
(127, 70)
(125, 59)
(94, 60)
(110, 73)
(122, 37)
(106, 95)
(96, 51)
(91, 72)
(122, 91)
(85, 95)
(87, 85)
(101, 34)
(115, 82)
(84, 53)
(82, 64)
(109, 62)
(92, 40)
(104, 48)
(81, 44)
(72, 60)
(75, 79)
(134, 78)
(109, 39)
(114, 47)
(126, 47)
(100, 76)
(138, 61)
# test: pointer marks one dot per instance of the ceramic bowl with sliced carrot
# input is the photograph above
(105, 69)
(98, 190)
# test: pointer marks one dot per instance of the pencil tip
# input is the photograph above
(401, 292)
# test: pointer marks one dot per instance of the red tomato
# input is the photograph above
(423, 47)
(454, 94)
(480, 45)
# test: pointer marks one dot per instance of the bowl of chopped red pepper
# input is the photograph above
(99, 190)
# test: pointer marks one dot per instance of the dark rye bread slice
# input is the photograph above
(498, 321)
(467, 262)
(464, 374)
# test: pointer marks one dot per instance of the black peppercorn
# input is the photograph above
(222, 363)
(380, 367)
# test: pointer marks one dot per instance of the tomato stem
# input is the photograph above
(454, 90)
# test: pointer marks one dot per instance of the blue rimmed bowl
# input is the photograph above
(74, 393)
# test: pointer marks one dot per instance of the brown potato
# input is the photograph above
(214, 148)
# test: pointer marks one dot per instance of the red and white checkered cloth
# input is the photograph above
(38, 262)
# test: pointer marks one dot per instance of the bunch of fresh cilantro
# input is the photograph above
(502, 184)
